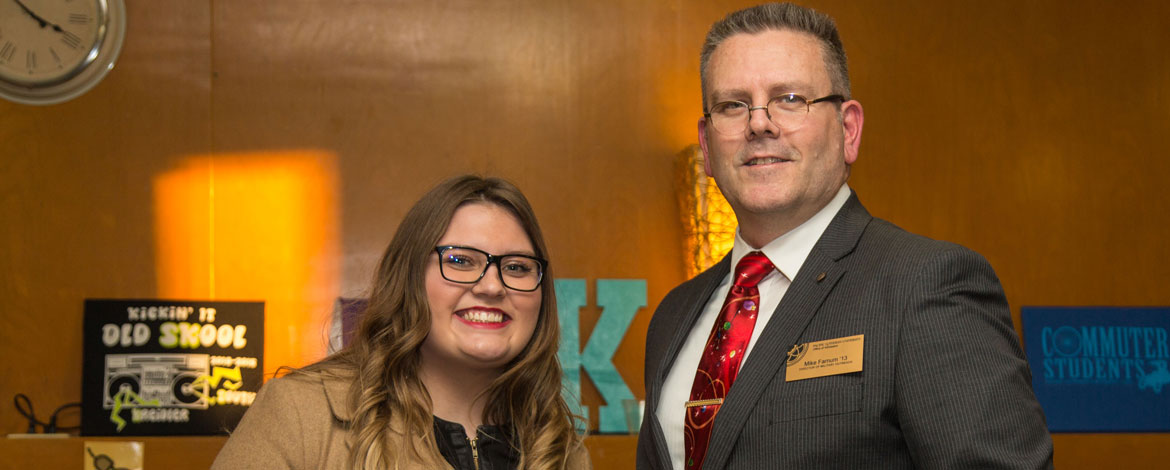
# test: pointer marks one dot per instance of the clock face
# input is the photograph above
(45, 42)
(54, 50)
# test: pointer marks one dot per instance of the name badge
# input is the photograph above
(828, 357)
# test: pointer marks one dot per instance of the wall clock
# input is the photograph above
(55, 50)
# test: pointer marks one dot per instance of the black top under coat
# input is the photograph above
(493, 444)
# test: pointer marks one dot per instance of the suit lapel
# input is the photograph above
(684, 314)
(816, 279)
(707, 281)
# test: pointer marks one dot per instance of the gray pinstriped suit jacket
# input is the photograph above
(944, 384)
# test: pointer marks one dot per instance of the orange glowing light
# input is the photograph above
(708, 221)
(255, 226)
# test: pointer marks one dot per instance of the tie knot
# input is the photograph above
(751, 269)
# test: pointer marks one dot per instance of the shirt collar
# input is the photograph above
(788, 252)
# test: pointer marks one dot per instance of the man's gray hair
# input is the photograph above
(781, 17)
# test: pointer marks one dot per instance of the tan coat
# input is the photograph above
(298, 422)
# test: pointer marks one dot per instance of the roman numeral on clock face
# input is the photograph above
(7, 51)
(71, 40)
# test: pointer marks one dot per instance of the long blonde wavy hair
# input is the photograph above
(382, 358)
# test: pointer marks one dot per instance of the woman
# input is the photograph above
(453, 366)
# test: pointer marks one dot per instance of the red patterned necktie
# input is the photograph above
(721, 358)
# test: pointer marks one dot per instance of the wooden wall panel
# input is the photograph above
(1029, 132)
(76, 202)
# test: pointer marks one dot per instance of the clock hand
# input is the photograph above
(40, 20)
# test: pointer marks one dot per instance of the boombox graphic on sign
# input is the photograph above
(157, 367)
(168, 379)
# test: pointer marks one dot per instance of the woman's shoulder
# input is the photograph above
(315, 386)
(290, 423)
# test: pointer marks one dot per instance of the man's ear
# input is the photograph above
(703, 145)
(852, 119)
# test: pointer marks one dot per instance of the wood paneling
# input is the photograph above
(1029, 132)
(76, 202)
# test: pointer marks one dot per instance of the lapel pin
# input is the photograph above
(820, 277)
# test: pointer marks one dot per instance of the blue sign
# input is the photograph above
(1100, 369)
(619, 300)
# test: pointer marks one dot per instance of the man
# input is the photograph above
(843, 341)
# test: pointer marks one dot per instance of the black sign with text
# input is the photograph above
(166, 367)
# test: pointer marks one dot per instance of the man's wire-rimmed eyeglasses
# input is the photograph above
(786, 111)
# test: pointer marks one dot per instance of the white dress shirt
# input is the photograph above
(787, 253)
